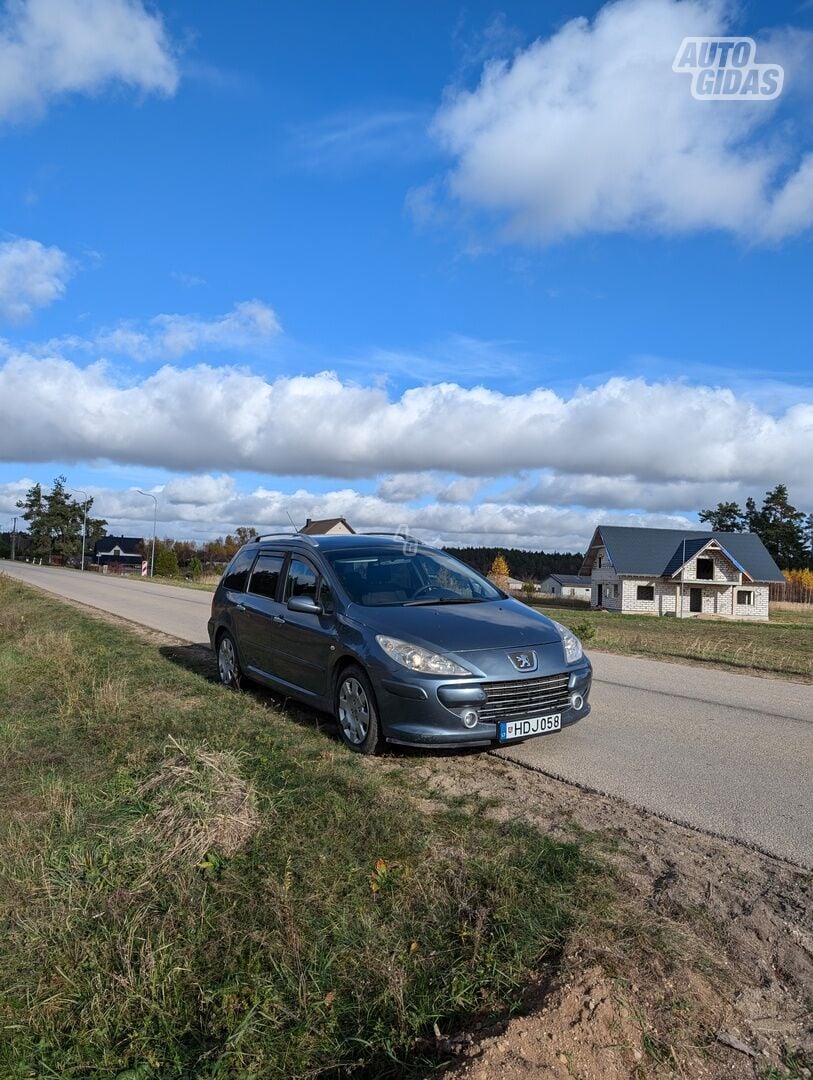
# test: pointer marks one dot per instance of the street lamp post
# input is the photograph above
(78, 491)
(149, 495)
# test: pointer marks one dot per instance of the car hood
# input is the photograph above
(461, 628)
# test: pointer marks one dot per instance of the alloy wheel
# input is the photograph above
(227, 661)
(354, 711)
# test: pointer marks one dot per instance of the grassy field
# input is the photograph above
(193, 885)
(783, 646)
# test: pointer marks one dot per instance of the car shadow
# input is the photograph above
(200, 660)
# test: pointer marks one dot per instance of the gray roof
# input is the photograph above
(659, 552)
(581, 580)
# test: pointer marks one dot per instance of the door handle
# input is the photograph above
(240, 607)
(278, 619)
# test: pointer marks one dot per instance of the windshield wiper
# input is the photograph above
(443, 600)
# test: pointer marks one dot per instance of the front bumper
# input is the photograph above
(414, 714)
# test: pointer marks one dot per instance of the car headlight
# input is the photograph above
(417, 659)
(573, 647)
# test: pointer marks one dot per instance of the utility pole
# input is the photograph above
(84, 522)
(149, 495)
(14, 539)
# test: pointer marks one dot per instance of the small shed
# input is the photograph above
(573, 586)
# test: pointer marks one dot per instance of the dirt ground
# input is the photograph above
(709, 975)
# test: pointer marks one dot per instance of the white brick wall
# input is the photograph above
(605, 576)
(723, 569)
(663, 604)
(716, 600)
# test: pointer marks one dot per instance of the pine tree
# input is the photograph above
(726, 517)
(55, 521)
(781, 528)
(33, 507)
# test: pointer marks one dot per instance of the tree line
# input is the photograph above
(525, 565)
(785, 531)
(176, 557)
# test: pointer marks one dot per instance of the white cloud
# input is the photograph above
(168, 337)
(590, 130)
(53, 47)
(213, 506)
(31, 276)
(595, 491)
(191, 281)
(198, 490)
(206, 417)
(358, 137)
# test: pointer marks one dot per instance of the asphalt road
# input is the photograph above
(731, 754)
(180, 612)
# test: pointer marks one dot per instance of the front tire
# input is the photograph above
(228, 665)
(356, 712)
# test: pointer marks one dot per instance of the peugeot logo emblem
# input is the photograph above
(523, 661)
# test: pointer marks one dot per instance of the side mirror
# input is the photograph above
(304, 605)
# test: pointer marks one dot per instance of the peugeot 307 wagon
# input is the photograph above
(399, 641)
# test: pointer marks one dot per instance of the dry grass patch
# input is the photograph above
(199, 805)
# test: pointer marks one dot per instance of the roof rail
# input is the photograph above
(398, 533)
(280, 535)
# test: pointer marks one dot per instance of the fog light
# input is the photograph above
(577, 701)
(470, 717)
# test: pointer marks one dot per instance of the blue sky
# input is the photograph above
(277, 191)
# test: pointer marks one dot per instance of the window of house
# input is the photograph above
(646, 592)
(746, 597)
(705, 570)
(265, 576)
(599, 562)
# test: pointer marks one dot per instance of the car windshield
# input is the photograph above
(376, 578)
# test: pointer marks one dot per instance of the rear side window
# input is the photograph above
(265, 577)
(301, 580)
(237, 571)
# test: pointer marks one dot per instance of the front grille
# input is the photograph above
(524, 697)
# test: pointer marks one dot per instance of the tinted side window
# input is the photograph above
(301, 580)
(237, 571)
(265, 577)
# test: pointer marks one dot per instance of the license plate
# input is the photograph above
(534, 725)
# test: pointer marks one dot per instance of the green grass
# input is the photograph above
(783, 646)
(193, 885)
(208, 583)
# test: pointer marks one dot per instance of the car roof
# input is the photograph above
(334, 541)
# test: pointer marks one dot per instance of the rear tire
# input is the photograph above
(228, 665)
(356, 712)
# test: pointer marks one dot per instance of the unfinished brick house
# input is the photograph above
(679, 573)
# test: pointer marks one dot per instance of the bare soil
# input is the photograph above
(707, 973)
